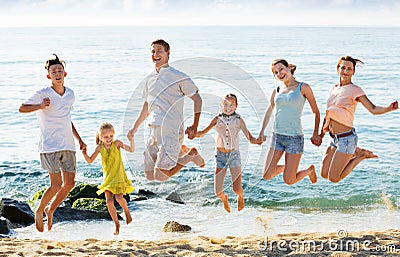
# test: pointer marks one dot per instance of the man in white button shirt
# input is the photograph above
(164, 91)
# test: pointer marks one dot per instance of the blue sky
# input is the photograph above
(197, 12)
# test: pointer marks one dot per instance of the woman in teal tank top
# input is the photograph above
(287, 104)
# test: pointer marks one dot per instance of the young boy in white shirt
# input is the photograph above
(53, 106)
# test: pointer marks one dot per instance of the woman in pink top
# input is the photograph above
(342, 155)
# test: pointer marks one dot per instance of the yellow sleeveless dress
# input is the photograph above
(115, 179)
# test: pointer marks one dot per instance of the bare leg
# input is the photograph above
(326, 161)
(112, 210)
(337, 166)
(290, 174)
(271, 167)
(55, 186)
(219, 178)
(191, 156)
(236, 174)
(68, 185)
(359, 156)
(122, 202)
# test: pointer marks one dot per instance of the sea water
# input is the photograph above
(105, 68)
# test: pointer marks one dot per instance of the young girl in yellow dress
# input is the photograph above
(115, 183)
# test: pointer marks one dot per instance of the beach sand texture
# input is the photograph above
(371, 243)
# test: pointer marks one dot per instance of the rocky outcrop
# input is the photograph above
(5, 226)
(85, 190)
(173, 226)
(68, 214)
(17, 212)
(174, 197)
(92, 204)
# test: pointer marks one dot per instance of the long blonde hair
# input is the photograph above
(103, 126)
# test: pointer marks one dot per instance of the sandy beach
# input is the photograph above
(370, 243)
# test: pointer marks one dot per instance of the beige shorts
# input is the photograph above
(57, 161)
(162, 149)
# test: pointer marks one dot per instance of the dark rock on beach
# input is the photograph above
(93, 204)
(85, 190)
(16, 211)
(67, 214)
(174, 197)
(173, 226)
(5, 226)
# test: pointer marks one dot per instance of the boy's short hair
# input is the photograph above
(54, 62)
(161, 42)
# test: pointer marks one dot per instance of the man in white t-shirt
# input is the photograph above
(53, 106)
(164, 91)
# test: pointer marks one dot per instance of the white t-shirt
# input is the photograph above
(164, 92)
(55, 120)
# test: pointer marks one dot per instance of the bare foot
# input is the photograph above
(128, 217)
(185, 149)
(49, 216)
(364, 153)
(39, 221)
(197, 159)
(224, 200)
(240, 202)
(117, 225)
(313, 174)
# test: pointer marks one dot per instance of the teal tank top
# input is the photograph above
(288, 110)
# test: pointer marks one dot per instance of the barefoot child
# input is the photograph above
(115, 183)
(342, 155)
(288, 101)
(53, 106)
(227, 125)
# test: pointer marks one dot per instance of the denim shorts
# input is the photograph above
(346, 144)
(225, 160)
(288, 144)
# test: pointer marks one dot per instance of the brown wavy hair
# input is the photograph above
(292, 67)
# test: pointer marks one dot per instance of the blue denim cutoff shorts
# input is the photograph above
(346, 144)
(288, 144)
(225, 160)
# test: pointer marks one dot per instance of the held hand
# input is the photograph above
(130, 136)
(394, 106)
(45, 103)
(257, 141)
(316, 140)
(191, 132)
(131, 133)
(261, 138)
(82, 146)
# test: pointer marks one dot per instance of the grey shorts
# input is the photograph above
(162, 150)
(225, 160)
(288, 144)
(58, 161)
(346, 144)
